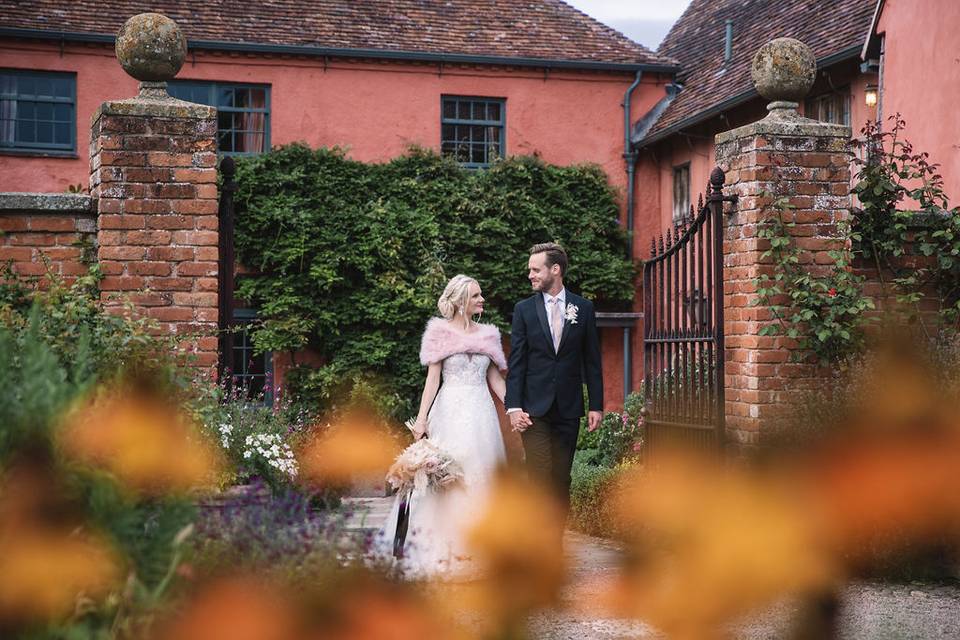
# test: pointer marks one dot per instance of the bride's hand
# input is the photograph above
(419, 429)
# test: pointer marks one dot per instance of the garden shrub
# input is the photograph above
(279, 533)
(619, 435)
(593, 490)
(56, 346)
(350, 257)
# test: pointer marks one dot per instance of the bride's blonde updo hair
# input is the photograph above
(455, 296)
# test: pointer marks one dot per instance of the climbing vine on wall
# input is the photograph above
(350, 257)
(902, 227)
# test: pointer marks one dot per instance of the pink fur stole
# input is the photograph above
(441, 341)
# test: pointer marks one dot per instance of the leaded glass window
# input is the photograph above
(38, 111)
(250, 375)
(472, 130)
(243, 113)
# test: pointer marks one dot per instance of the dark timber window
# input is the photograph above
(243, 113)
(681, 192)
(472, 130)
(830, 107)
(38, 111)
(251, 375)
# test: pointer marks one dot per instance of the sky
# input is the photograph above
(644, 21)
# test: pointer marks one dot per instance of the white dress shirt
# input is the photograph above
(548, 300)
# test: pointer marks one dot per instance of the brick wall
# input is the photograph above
(807, 162)
(153, 177)
(44, 233)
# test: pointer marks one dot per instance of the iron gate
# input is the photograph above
(683, 328)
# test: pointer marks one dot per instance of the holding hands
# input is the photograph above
(520, 420)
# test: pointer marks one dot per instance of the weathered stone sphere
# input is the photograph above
(784, 69)
(151, 47)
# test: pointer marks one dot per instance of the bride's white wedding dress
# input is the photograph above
(463, 422)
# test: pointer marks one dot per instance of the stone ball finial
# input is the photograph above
(784, 70)
(151, 47)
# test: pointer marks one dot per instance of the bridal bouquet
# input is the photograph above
(421, 465)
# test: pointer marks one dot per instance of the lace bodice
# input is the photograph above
(465, 369)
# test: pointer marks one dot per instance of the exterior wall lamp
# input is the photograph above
(870, 95)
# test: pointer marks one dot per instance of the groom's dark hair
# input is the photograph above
(555, 254)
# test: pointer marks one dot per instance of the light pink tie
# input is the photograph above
(556, 323)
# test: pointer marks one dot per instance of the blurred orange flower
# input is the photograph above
(884, 490)
(517, 543)
(237, 608)
(47, 561)
(358, 446)
(384, 613)
(146, 442)
(712, 543)
(43, 572)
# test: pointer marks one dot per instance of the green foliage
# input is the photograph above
(246, 430)
(891, 176)
(592, 510)
(55, 346)
(619, 436)
(351, 256)
(72, 323)
(824, 313)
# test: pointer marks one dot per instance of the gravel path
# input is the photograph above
(871, 611)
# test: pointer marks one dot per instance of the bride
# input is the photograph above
(458, 415)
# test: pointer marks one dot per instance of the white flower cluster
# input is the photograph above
(225, 431)
(273, 450)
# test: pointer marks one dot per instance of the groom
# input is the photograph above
(554, 350)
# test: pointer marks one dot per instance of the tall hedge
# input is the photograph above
(350, 257)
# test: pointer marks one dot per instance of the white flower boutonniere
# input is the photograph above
(570, 315)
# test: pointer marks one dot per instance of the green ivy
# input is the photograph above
(826, 312)
(350, 257)
(887, 236)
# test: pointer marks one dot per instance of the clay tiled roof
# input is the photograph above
(830, 27)
(522, 29)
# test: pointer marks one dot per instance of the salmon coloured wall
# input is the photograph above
(921, 79)
(374, 109)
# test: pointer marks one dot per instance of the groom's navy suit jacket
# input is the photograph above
(538, 376)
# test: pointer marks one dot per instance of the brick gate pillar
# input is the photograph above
(808, 162)
(153, 177)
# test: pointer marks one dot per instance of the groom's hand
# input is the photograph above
(520, 420)
(593, 420)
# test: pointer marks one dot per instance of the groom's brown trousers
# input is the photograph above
(549, 444)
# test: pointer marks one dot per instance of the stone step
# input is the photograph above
(367, 513)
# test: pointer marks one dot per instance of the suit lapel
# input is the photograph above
(567, 326)
(542, 315)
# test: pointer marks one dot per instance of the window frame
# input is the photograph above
(814, 103)
(243, 317)
(685, 210)
(46, 149)
(501, 124)
(213, 86)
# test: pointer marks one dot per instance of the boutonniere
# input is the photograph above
(571, 313)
